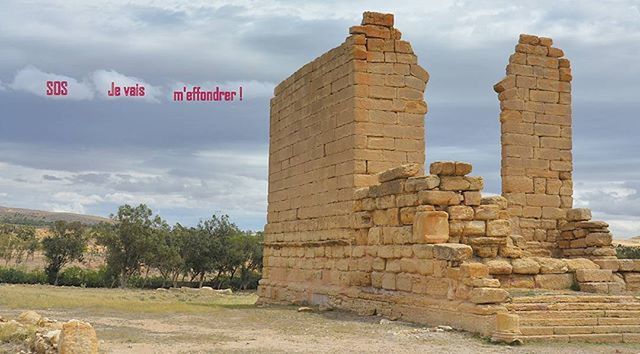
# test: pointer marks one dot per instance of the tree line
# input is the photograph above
(138, 243)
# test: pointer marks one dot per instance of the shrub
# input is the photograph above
(20, 276)
(628, 252)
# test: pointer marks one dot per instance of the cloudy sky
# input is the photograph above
(89, 153)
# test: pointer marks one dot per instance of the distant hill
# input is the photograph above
(43, 218)
(631, 242)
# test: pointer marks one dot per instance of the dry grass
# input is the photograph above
(39, 297)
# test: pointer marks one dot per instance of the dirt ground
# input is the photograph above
(191, 321)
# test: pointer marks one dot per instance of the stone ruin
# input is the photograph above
(355, 223)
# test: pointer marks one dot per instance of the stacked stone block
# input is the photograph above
(354, 223)
(410, 228)
(535, 103)
(582, 237)
(445, 206)
(335, 124)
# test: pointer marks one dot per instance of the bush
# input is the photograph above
(90, 278)
(628, 252)
(20, 276)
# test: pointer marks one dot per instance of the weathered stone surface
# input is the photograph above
(594, 275)
(460, 212)
(496, 199)
(431, 227)
(580, 263)
(599, 239)
(421, 183)
(525, 266)
(579, 214)
(439, 197)
(450, 168)
(474, 270)
(452, 251)
(498, 228)
(592, 224)
(488, 295)
(499, 267)
(376, 18)
(403, 171)
(554, 281)
(78, 337)
(552, 265)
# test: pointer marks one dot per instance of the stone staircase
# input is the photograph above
(578, 317)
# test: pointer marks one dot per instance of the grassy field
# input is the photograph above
(190, 321)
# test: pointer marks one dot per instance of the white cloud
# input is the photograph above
(102, 80)
(34, 80)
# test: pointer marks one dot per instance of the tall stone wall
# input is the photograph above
(342, 118)
(535, 104)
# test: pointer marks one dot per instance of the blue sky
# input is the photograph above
(88, 153)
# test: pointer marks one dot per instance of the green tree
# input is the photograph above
(65, 244)
(130, 241)
(209, 248)
(166, 256)
(17, 242)
(251, 250)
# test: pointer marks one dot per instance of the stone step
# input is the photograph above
(587, 338)
(573, 306)
(573, 298)
(578, 321)
(568, 330)
(577, 314)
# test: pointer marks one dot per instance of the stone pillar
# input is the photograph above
(535, 117)
(335, 124)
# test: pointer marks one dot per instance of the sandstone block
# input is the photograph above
(459, 183)
(376, 18)
(472, 198)
(599, 239)
(488, 295)
(554, 281)
(592, 224)
(499, 267)
(525, 266)
(404, 282)
(529, 39)
(599, 288)
(594, 275)
(452, 251)
(474, 228)
(423, 251)
(78, 337)
(506, 83)
(414, 184)
(474, 270)
(450, 168)
(439, 197)
(403, 171)
(498, 228)
(460, 212)
(389, 281)
(431, 227)
(507, 323)
(496, 199)
(371, 31)
(552, 265)
(483, 283)
(579, 214)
